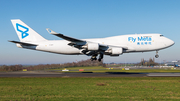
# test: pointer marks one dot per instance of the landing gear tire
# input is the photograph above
(156, 56)
(93, 59)
(100, 57)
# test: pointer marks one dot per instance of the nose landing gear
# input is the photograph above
(156, 54)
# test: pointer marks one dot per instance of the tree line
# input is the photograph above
(82, 63)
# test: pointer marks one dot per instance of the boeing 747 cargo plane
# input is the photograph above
(113, 46)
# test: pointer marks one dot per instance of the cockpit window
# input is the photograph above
(161, 35)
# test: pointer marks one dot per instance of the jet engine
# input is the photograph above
(116, 51)
(91, 46)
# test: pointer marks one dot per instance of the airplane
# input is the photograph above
(112, 46)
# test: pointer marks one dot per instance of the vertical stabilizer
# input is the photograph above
(25, 33)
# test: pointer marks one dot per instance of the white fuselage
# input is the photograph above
(133, 43)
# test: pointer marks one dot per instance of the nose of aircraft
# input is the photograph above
(169, 42)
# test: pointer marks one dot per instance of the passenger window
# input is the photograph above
(161, 35)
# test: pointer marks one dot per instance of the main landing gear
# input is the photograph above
(100, 57)
(94, 57)
(156, 54)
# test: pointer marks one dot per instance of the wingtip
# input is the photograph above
(51, 31)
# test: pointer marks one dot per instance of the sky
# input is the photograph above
(84, 19)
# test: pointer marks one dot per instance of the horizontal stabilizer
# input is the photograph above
(23, 43)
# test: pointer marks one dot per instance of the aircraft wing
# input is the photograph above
(79, 42)
(72, 40)
(24, 43)
(68, 38)
(63, 36)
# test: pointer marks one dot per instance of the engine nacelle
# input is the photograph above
(116, 51)
(92, 46)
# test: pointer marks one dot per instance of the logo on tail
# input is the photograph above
(23, 30)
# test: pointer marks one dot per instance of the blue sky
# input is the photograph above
(88, 19)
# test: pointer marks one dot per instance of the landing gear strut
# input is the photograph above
(95, 55)
(100, 57)
(156, 54)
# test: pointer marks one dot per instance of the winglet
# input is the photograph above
(51, 31)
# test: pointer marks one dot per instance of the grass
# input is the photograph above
(90, 89)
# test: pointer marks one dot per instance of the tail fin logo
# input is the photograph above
(23, 30)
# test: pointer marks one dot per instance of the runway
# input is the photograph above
(85, 74)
